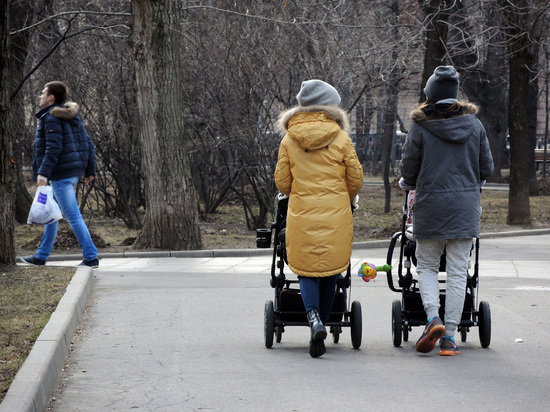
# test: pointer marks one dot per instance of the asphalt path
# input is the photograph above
(186, 334)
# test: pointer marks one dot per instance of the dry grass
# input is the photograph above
(226, 229)
(28, 296)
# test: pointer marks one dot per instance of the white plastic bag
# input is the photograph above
(44, 208)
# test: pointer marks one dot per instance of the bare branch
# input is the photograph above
(69, 13)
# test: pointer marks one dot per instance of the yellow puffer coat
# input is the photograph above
(318, 169)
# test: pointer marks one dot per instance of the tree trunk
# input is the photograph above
(7, 172)
(524, 31)
(492, 101)
(436, 38)
(21, 13)
(532, 130)
(390, 109)
(518, 200)
(387, 140)
(171, 217)
(486, 86)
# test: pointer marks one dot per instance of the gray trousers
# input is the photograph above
(428, 254)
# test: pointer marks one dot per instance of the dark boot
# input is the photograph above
(316, 348)
(318, 331)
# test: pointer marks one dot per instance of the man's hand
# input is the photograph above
(88, 180)
(41, 180)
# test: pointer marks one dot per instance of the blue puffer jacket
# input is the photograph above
(62, 148)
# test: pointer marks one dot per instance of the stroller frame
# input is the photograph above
(287, 307)
(409, 311)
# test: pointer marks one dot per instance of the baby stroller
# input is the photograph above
(409, 311)
(287, 308)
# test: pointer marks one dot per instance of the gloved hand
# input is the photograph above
(281, 196)
(355, 203)
(405, 186)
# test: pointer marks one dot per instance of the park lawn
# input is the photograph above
(28, 297)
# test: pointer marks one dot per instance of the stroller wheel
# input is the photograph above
(278, 333)
(396, 323)
(335, 331)
(484, 324)
(269, 323)
(463, 334)
(356, 324)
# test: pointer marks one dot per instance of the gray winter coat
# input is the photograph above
(446, 159)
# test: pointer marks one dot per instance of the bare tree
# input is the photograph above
(7, 171)
(477, 50)
(21, 13)
(436, 27)
(524, 22)
(171, 216)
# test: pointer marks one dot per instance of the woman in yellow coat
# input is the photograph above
(318, 169)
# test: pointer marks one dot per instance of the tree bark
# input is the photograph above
(525, 29)
(387, 139)
(7, 172)
(532, 129)
(20, 13)
(518, 199)
(171, 217)
(436, 38)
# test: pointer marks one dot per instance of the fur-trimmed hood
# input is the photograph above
(456, 128)
(418, 115)
(66, 112)
(333, 113)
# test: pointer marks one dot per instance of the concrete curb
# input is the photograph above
(32, 388)
(214, 253)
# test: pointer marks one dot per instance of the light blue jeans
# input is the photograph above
(64, 194)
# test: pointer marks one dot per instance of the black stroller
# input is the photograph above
(409, 311)
(287, 309)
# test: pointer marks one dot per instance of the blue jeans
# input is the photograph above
(318, 294)
(64, 194)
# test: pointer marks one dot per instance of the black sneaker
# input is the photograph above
(433, 331)
(31, 260)
(94, 263)
(448, 347)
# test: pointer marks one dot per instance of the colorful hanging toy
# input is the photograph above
(369, 271)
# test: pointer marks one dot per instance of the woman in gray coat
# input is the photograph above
(446, 158)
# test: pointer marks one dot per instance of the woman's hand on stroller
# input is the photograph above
(405, 186)
(355, 204)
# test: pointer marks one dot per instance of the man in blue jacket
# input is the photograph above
(62, 153)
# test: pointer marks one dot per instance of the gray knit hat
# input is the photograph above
(443, 84)
(317, 92)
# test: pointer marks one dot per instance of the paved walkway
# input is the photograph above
(167, 333)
